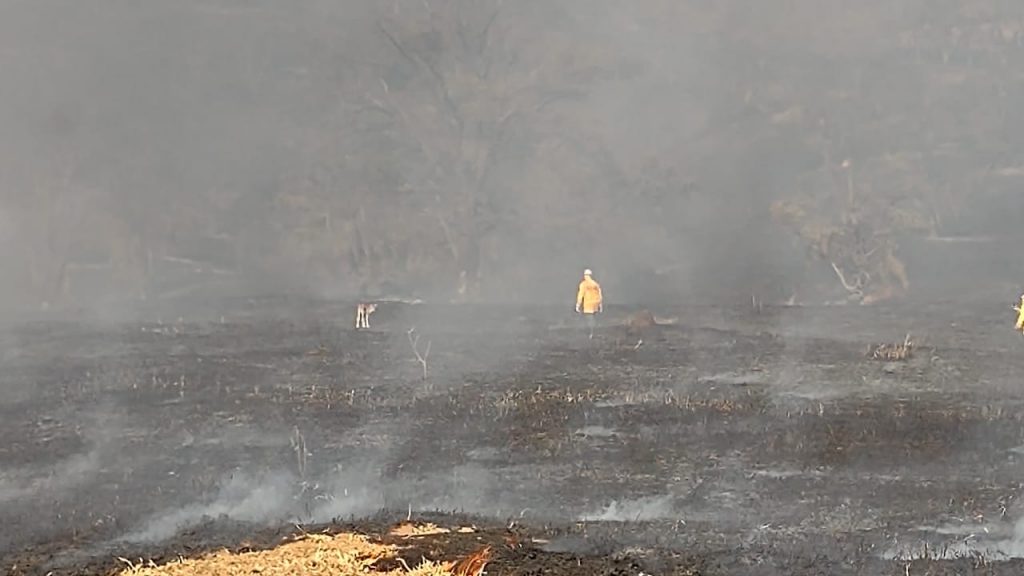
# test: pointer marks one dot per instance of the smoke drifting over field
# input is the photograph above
(191, 165)
(179, 149)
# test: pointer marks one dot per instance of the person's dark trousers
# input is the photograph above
(591, 321)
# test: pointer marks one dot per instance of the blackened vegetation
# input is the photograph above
(714, 450)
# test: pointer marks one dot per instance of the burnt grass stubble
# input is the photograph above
(731, 443)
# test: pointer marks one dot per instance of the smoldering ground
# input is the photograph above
(699, 429)
(219, 163)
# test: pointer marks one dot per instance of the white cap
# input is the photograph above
(587, 272)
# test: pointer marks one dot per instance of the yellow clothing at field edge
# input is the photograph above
(588, 298)
(1020, 315)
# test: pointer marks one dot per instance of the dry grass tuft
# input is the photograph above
(893, 352)
(413, 529)
(340, 555)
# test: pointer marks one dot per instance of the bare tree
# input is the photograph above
(466, 85)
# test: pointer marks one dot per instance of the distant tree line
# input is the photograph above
(473, 148)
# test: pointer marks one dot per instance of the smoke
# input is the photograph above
(169, 153)
(349, 496)
(635, 510)
(205, 142)
(268, 499)
(50, 482)
(275, 498)
(1012, 547)
(279, 497)
(247, 499)
(257, 147)
(56, 480)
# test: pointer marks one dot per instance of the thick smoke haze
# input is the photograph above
(157, 150)
(190, 165)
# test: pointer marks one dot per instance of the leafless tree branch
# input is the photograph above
(414, 342)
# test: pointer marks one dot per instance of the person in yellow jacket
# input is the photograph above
(589, 300)
(1020, 315)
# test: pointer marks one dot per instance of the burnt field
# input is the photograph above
(732, 442)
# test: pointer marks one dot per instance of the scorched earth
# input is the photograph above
(733, 442)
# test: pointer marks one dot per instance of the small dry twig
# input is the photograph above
(422, 358)
(893, 352)
(298, 442)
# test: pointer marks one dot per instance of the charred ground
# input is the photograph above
(729, 443)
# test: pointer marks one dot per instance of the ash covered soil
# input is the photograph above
(733, 442)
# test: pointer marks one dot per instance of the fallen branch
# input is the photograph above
(422, 358)
(852, 289)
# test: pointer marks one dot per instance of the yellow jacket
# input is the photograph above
(1020, 314)
(588, 298)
